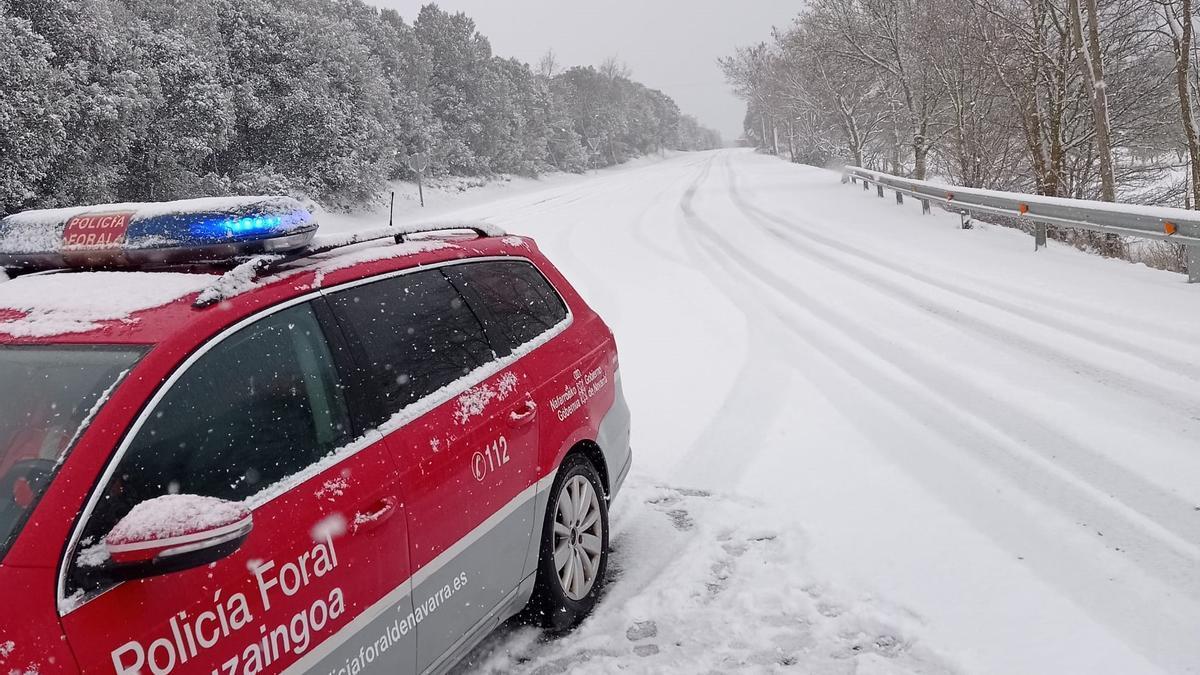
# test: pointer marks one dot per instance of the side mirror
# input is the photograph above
(173, 533)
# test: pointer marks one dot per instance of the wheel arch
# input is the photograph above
(592, 452)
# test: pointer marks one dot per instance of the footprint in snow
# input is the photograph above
(681, 519)
(646, 650)
(887, 646)
(642, 630)
(829, 610)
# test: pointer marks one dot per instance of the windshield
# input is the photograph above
(48, 395)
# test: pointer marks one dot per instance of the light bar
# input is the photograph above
(133, 235)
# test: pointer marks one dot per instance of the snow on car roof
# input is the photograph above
(72, 303)
(77, 302)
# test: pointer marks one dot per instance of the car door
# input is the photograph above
(464, 431)
(260, 417)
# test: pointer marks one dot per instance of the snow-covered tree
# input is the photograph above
(105, 100)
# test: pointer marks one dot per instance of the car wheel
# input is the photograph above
(574, 548)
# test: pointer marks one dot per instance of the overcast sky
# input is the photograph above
(672, 45)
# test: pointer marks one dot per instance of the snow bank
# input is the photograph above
(77, 302)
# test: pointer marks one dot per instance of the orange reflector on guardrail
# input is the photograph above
(1170, 228)
(1023, 208)
(949, 196)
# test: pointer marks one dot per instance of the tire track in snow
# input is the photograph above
(1168, 510)
(734, 436)
(1158, 361)
(1176, 559)
(1149, 326)
(1144, 325)
(1155, 550)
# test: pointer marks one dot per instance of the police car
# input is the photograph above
(229, 444)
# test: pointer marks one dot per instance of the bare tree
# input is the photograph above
(1177, 27)
(894, 37)
(749, 71)
(548, 65)
(613, 68)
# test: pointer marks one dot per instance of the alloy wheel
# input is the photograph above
(578, 537)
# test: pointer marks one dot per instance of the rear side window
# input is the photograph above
(413, 333)
(260, 406)
(514, 301)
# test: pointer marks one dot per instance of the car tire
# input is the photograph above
(561, 597)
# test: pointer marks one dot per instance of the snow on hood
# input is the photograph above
(78, 302)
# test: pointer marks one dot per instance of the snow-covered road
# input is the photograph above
(867, 441)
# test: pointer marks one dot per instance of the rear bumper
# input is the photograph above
(620, 479)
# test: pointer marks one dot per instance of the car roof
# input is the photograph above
(153, 307)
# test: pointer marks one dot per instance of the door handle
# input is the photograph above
(525, 413)
(380, 512)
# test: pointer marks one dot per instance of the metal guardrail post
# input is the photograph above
(879, 189)
(866, 185)
(925, 207)
(1039, 236)
(1193, 263)
(899, 197)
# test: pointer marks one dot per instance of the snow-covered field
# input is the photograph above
(867, 441)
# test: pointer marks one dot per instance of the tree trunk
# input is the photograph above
(1091, 63)
(1183, 51)
(855, 149)
(791, 139)
(920, 152)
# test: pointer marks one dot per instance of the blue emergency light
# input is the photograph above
(160, 233)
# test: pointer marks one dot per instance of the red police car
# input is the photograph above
(229, 445)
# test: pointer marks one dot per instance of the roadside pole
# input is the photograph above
(593, 145)
(418, 163)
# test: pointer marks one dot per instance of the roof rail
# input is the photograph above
(252, 269)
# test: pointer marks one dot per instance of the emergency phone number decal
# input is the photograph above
(491, 458)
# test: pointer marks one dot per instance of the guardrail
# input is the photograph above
(1148, 222)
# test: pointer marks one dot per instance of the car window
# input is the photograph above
(260, 406)
(414, 334)
(512, 298)
(48, 397)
